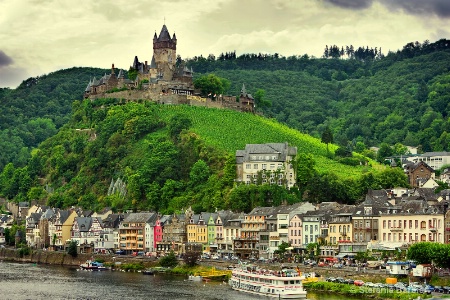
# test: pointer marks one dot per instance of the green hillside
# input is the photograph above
(230, 130)
(166, 158)
(402, 97)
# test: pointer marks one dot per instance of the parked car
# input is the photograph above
(338, 266)
(446, 289)
(121, 252)
(438, 289)
(340, 280)
(369, 284)
(330, 279)
(358, 282)
(349, 281)
(428, 289)
(400, 286)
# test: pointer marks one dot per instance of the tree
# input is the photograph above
(313, 248)
(190, 258)
(384, 151)
(282, 249)
(327, 137)
(260, 100)
(177, 124)
(72, 249)
(168, 261)
(54, 238)
(211, 84)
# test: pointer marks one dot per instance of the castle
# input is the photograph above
(163, 81)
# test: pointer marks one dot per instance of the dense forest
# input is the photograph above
(144, 156)
(401, 97)
(63, 151)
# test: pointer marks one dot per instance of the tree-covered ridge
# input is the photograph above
(36, 109)
(166, 158)
(399, 98)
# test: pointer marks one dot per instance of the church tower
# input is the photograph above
(165, 53)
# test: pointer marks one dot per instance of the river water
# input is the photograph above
(31, 281)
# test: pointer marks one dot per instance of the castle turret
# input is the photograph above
(164, 52)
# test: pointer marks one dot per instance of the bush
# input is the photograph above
(169, 261)
(72, 249)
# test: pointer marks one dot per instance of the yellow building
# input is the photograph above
(403, 225)
(340, 228)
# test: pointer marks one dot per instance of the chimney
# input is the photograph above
(146, 65)
(112, 69)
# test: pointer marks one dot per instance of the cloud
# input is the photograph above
(351, 4)
(12, 76)
(440, 8)
(5, 60)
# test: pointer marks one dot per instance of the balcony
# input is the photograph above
(396, 229)
(433, 229)
(343, 233)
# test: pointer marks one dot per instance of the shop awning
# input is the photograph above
(342, 255)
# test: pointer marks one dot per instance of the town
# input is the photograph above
(387, 219)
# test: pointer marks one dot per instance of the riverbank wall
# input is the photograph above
(64, 259)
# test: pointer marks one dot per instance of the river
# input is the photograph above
(31, 281)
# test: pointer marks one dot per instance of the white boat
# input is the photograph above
(93, 266)
(195, 278)
(285, 284)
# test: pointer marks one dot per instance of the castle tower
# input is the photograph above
(165, 53)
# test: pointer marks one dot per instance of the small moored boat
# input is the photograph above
(148, 272)
(93, 266)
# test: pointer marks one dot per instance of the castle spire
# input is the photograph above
(243, 91)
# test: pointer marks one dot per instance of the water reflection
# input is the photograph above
(30, 281)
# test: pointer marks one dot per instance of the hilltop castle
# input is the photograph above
(163, 81)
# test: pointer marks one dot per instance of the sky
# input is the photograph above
(42, 36)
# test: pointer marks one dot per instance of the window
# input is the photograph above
(248, 166)
(410, 224)
(264, 166)
(249, 176)
(255, 166)
(356, 224)
(274, 157)
(253, 157)
(272, 166)
(280, 166)
(384, 224)
(306, 227)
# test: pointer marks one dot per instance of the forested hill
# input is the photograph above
(399, 98)
(36, 109)
(145, 156)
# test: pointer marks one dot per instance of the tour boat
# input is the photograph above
(284, 284)
(93, 266)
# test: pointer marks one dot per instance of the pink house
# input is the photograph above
(295, 231)
(157, 232)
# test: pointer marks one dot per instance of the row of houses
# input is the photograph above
(386, 220)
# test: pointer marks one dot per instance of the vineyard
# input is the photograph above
(231, 130)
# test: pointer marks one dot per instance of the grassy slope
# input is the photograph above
(231, 130)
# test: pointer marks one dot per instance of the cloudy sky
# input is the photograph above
(42, 36)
